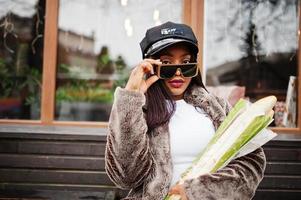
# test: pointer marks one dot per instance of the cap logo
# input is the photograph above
(171, 31)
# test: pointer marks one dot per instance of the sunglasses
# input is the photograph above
(167, 71)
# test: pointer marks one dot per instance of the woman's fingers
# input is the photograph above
(174, 190)
(149, 64)
(137, 79)
(146, 67)
(178, 190)
(153, 61)
(151, 80)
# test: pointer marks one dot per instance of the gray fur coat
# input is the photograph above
(140, 161)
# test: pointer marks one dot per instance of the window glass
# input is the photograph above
(251, 51)
(21, 58)
(98, 45)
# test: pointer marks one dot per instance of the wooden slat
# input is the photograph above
(65, 195)
(283, 144)
(8, 146)
(14, 186)
(49, 62)
(54, 176)
(262, 194)
(55, 123)
(197, 24)
(19, 121)
(53, 132)
(51, 137)
(283, 168)
(52, 162)
(187, 12)
(52, 147)
(273, 154)
(81, 124)
(281, 182)
(284, 130)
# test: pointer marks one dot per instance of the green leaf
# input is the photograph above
(258, 123)
(238, 108)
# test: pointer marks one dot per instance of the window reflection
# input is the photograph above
(21, 50)
(253, 44)
(98, 45)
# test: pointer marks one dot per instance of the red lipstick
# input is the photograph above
(176, 83)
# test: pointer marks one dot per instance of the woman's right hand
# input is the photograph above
(137, 81)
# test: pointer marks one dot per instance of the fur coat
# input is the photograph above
(140, 161)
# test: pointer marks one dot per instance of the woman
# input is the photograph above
(163, 118)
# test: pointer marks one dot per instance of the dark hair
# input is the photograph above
(160, 105)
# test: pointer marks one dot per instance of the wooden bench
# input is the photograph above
(47, 162)
(283, 171)
(39, 162)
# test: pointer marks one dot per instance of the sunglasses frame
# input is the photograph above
(158, 69)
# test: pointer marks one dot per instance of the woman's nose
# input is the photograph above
(178, 72)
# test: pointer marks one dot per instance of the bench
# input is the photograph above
(40, 162)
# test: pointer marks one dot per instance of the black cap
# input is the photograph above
(165, 35)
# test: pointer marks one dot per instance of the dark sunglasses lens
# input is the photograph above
(168, 71)
(189, 70)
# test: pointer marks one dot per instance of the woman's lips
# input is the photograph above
(176, 83)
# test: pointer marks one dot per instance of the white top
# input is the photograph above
(190, 131)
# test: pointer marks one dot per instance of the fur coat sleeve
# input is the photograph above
(127, 142)
(238, 180)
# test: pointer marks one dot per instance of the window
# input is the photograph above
(75, 58)
(98, 44)
(254, 45)
(60, 60)
(21, 58)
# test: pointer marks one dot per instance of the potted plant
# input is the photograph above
(19, 89)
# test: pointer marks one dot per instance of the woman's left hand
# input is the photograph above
(179, 190)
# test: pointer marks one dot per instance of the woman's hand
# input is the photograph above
(137, 81)
(178, 190)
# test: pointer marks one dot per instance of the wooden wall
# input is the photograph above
(34, 161)
(283, 172)
(39, 162)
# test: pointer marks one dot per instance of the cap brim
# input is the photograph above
(170, 43)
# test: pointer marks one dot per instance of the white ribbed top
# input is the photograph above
(190, 131)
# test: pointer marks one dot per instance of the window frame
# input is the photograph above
(193, 15)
